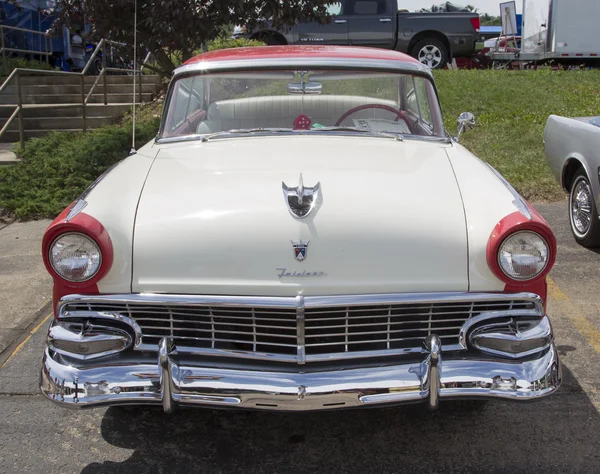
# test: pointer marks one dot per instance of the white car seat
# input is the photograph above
(281, 111)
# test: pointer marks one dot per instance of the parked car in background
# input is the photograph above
(571, 146)
(432, 38)
(303, 234)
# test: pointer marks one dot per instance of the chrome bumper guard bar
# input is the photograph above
(171, 384)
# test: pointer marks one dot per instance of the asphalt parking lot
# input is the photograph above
(558, 434)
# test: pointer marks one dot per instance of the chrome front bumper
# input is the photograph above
(171, 383)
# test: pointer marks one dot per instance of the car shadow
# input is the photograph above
(552, 435)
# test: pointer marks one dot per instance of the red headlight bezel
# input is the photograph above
(517, 222)
(90, 227)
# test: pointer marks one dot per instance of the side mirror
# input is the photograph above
(466, 123)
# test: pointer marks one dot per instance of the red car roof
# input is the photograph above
(266, 52)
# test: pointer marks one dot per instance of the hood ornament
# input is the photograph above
(301, 200)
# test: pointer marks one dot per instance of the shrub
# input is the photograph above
(13, 63)
(226, 43)
(57, 167)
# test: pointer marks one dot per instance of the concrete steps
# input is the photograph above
(54, 89)
(51, 111)
(67, 79)
(51, 93)
(76, 98)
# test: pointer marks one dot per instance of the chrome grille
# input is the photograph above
(300, 330)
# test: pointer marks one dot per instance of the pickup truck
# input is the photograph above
(432, 38)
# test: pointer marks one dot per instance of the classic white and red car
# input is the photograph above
(303, 234)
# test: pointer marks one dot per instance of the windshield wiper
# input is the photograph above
(359, 130)
(243, 131)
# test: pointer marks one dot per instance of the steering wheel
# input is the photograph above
(399, 113)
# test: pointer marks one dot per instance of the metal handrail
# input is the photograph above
(3, 49)
(24, 30)
(17, 73)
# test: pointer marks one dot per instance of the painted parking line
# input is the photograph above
(582, 324)
(31, 333)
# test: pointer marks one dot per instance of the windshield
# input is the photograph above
(215, 105)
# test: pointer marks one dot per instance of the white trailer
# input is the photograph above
(560, 30)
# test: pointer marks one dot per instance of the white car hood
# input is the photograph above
(212, 218)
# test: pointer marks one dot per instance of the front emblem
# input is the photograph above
(301, 200)
(300, 249)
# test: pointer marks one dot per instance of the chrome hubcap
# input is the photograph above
(581, 206)
(431, 56)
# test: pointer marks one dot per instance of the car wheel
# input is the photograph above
(432, 52)
(583, 214)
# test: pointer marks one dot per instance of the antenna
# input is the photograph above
(133, 151)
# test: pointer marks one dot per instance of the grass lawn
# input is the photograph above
(511, 108)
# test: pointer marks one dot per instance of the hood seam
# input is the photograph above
(466, 220)
(137, 206)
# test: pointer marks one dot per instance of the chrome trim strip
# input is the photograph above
(191, 300)
(304, 133)
(403, 298)
(290, 302)
(76, 209)
(264, 356)
(302, 63)
(200, 351)
(300, 330)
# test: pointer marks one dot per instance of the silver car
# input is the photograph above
(572, 147)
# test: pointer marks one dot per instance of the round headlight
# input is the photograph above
(75, 257)
(523, 255)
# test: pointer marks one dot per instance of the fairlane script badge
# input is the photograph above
(285, 273)
(300, 200)
(300, 249)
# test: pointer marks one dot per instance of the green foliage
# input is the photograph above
(490, 20)
(173, 27)
(226, 43)
(58, 167)
(512, 108)
(13, 63)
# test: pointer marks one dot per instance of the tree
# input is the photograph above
(174, 29)
(490, 20)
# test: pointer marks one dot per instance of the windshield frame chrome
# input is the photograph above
(276, 64)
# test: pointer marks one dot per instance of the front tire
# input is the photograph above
(583, 215)
(432, 52)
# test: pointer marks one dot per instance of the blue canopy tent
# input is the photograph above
(35, 15)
